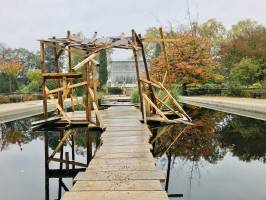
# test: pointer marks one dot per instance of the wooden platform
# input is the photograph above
(123, 168)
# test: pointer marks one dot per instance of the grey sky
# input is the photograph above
(25, 21)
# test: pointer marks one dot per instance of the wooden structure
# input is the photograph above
(123, 167)
(155, 99)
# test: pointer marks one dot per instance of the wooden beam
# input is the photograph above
(155, 107)
(138, 73)
(157, 40)
(150, 82)
(70, 70)
(165, 56)
(61, 75)
(42, 62)
(152, 95)
(86, 60)
(69, 162)
(61, 143)
(169, 107)
(58, 106)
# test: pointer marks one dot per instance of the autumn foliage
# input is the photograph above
(190, 60)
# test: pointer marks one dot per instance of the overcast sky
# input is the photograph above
(25, 21)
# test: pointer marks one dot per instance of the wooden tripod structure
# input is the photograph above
(84, 74)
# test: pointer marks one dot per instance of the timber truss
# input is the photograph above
(156, 101)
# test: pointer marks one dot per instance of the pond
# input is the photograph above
(24, 174)
(221, 157)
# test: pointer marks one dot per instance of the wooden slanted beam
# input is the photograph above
(95, 107)
(61, 143)
(169, 107)
(68, 87)
(86, 60)
(150, 82)
(175, 102)
(57, 105)
(155, 107)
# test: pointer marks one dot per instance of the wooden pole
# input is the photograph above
(46, 152)
(138, 73)
(56, 64)
(147, 71)
(73, 150)
(70, 70)
(42, 61)
(88, 99)
(167, 77)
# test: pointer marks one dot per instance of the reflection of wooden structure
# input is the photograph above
(67, 168)
(153, 106)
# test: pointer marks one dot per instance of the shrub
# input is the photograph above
(4, 99)
(135, 96)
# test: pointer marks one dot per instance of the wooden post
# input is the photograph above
(89, 147)
(46, 152)
(138, 73)
(42, 61)
(94, 82)
(147, 72)
(88, 99)
(56, 64)
(67, 160)
(70, 70)
(165, 57)
(73, 151)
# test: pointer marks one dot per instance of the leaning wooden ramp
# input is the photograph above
(123, 167)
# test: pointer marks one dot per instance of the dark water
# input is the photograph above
(23, 173)
(221, 157)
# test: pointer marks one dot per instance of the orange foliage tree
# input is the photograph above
(11, 69)
(190, 59)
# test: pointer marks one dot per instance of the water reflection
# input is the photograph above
(63, 143)
(26, 155)
(214, 139)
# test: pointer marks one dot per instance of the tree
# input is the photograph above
(247, 40)
(190, 60)
(103, 73)
(246, 72)
(10, 69)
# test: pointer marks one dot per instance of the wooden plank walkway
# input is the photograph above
(123, 168)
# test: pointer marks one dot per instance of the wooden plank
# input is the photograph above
(127, 161)
(116, 195)
(147, 155)
(121, 185)
(135, 167)
(122, 150)
(120, 175)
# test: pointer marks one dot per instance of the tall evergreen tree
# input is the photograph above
(103, 73)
